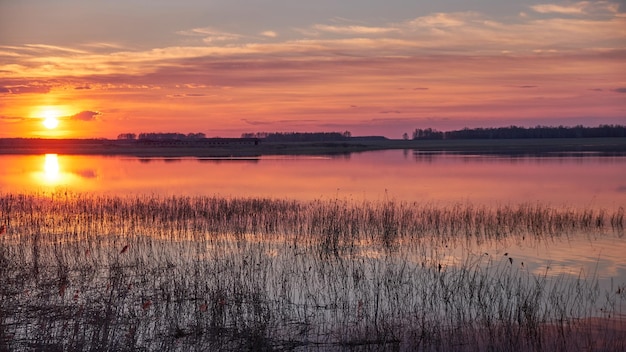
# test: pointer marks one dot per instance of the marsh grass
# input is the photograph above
(88, 272)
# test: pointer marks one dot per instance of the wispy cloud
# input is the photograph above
(211, 35)
(26, 89)
(11, 118)
(552, 8)
(269, 34)
(53, 48)
(578, 8)
(439, 20)
(86, 116)
(354, 30)
(459, 33)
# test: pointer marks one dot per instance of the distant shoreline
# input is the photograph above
(246, 147)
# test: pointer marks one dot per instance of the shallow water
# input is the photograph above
(177, 273)
(581, 181)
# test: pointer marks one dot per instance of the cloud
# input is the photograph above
(86, 116)
(87, 173)
(269, 34)
(256, 123)
(25, 89)
(552, 8)
(282, 123)
(620, 90)
(53, 48)
(193, 95)
(440, 34)
(578, 8)
(455, 19)
(11, 118)
(82, 87)
(357, 30)
(210, 34)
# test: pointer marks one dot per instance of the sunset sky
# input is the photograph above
(102, 68)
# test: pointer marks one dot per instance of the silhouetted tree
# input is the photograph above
(198, 135)
(128, 136)
(428, 133)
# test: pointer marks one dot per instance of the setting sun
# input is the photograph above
(50, 122)
(50, 115)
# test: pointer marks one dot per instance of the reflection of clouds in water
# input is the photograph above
(87, 173)
(581, 267)
(577, 255)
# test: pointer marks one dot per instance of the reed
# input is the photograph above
(94, 272)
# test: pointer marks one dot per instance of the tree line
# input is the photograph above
(299, 136)
(161, 136)
(513, 132)
(267, 136)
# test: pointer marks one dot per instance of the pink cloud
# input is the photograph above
(86, 116)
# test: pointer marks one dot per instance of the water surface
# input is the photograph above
(446, 180)
(577, 181)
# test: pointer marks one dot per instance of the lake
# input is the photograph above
(576, 181)
(375, 246)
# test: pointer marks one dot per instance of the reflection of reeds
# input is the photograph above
(219, 273)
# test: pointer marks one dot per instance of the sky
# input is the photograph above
(102, 68)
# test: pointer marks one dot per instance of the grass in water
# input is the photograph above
(88, 272)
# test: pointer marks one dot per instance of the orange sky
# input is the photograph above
(560, 63)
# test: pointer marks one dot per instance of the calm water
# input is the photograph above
(576, 182)
(588, 181)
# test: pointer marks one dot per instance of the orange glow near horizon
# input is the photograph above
(50, 111)
(367, 97)
(52, 121)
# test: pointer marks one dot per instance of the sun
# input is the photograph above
(50, 122)
(51, 118)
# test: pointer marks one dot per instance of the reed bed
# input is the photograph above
(94, 272)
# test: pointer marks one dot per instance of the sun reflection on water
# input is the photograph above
(52, 173)
(51, 169)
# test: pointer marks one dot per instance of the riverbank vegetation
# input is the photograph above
(94, 272)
